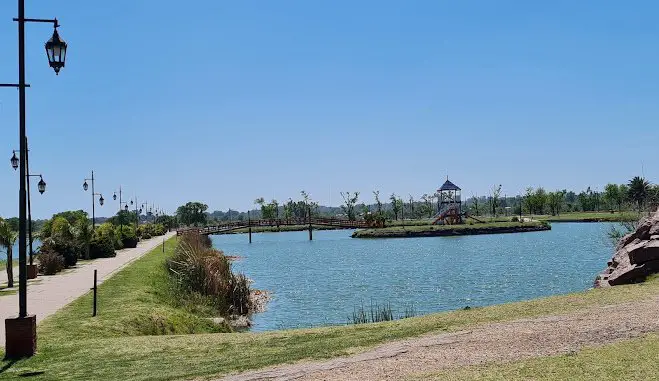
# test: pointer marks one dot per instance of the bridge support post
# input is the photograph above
(249, 224)
(310, 228)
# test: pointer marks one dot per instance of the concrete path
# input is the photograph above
(47, 294)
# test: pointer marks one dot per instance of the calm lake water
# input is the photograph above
(320, 282)
(35, 245)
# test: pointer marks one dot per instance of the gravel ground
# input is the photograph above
(497, 342)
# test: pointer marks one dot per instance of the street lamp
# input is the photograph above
(21, 337)
(101, 200)
(14, 161)
(56, 51)
(31, 268)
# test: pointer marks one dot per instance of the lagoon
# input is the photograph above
(320, 282)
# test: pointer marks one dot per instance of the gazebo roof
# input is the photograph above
(449, 186)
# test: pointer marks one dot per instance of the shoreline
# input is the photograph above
(449, 230)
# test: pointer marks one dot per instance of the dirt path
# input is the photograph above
(47, 294)
(507, 341)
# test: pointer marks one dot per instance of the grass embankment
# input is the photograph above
(591, 217)
(452, 230)
(73, 346)
(634, 359)
(135, 301)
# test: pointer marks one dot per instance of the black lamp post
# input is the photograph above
(21, 336)
(32, 272)
(101, 200)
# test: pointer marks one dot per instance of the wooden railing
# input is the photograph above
(234, 225)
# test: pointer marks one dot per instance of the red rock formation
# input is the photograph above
(636, 257)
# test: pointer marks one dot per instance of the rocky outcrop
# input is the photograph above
(636, 257)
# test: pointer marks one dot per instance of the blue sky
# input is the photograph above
(224, 102)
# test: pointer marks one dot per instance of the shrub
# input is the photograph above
(199, 269)
(159, 229)
(146, 236)
(101, 246)
(515, 219)
(50, 262)
(67, 249)
(128, 236)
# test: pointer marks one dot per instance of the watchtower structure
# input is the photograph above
(450, 202)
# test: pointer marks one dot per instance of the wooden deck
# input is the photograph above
(235, 225)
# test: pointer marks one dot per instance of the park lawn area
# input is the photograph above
(447, 230)
(590, 217)
(75, 346)
(634, 359)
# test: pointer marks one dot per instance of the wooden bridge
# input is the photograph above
(230, 226)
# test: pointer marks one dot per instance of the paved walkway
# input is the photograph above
(47, 294)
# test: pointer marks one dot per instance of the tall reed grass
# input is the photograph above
(200, 270)
(377, 313)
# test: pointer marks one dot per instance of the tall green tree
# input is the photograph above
(192, 213)
(555, 201)
(395, 205)
(614, 196)
(494, 199)
(349, 202)
(7, 240)
(639, 188)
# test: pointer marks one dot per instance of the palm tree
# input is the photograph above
(638, 191)
(7, 240)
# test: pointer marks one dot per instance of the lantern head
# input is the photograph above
(101, 200)
(85, 186)
(56, 51)
(14, 161)
(114, 196)
(41, 186)
(126, 207)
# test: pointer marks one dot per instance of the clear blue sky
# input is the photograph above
(224, 102)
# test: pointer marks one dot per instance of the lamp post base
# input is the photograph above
(32, 271)
(21, 336)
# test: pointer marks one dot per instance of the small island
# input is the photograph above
(451, 220)
(452, 230)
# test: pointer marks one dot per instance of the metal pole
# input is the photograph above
(93, 199)
(29, 207)
(95, 292)
(249, 224)
(22, 268)
(121, 220)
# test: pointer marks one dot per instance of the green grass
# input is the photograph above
(3, 264)
(73, 346)
(135, 301)
(447, 230)
(629, 360)
(590, 217)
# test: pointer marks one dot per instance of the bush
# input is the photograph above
(101, 246)
(159, 229)
(199, 269)
(128, 236)
(50, 262)
(146, 236)
(515, 219)
(67, 249)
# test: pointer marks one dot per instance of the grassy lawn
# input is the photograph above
(442, 230)
(135, 301)
(634, 359)
(590, 217)
(112, 346)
